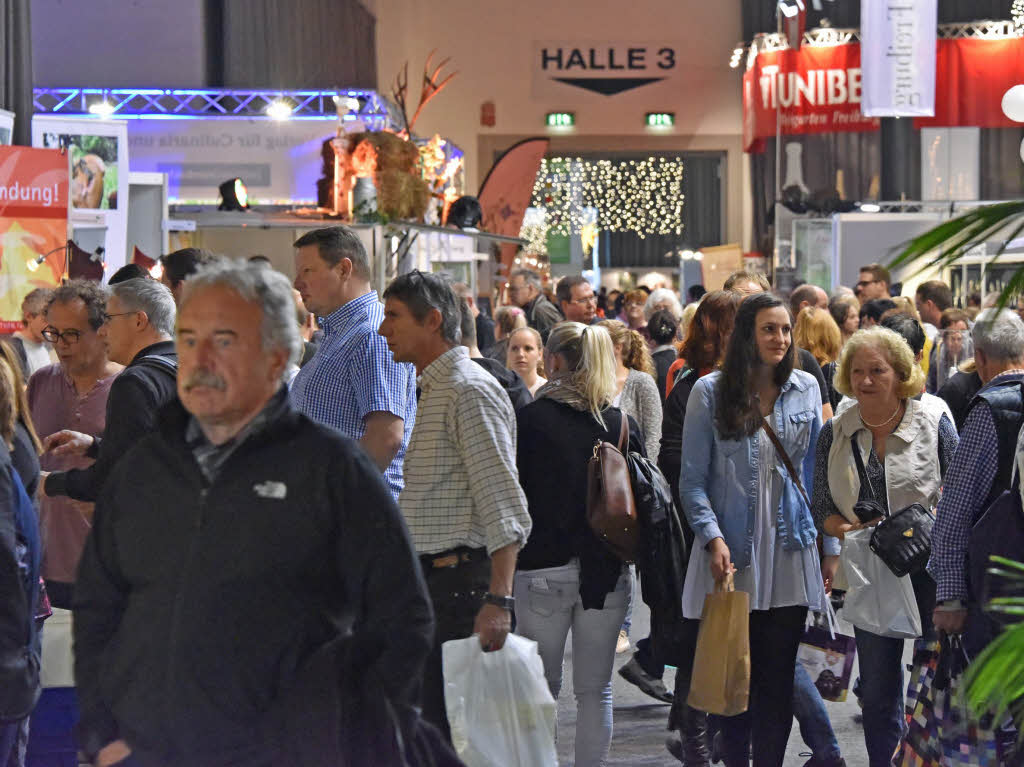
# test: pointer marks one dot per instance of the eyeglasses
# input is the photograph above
(70, 337)
(584, 301)
(120, 314)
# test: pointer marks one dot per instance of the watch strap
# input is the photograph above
(507, 603)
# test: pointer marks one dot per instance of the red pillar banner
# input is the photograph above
(819, 88)
(33, 222)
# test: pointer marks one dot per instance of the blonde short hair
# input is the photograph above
(896, 351)
(817, 332)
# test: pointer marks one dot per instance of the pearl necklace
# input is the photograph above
(883, 423)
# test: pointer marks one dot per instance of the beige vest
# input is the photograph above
(912, 472)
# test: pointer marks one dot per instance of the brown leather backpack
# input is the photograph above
(611, 508)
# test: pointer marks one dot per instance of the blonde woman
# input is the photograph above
(903, 449)
(636, 389)
(817, 332)
(566, 578)
(525, 352)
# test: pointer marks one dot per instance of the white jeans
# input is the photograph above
(548, 604)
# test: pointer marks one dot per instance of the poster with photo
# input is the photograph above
(98, 151)
(6, 127)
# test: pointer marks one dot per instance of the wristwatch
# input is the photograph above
(508, 603)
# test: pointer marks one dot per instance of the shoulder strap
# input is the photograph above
(860, 466)
(160, 362)
(781, 452)
(623, 432)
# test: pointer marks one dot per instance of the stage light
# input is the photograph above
(102, 108)
(233, 195)
(870, 207)
(279, 109)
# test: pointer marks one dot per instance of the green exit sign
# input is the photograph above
(660, 119)
(560, 119)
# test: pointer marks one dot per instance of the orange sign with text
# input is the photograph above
(34, 187)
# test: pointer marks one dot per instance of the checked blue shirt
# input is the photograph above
(353, 374)
(967, 484)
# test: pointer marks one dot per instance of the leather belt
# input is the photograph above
(452, 558)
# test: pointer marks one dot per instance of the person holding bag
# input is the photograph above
(879, 457)
(747, 455)
(566, 577)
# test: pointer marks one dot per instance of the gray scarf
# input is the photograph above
(562, 390)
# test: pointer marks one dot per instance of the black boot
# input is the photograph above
(692, 750)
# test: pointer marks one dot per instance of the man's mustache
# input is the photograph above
(205, 378)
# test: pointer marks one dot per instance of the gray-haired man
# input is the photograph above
(981, 468)
(524, 290)
(137, 333)
(245, 563)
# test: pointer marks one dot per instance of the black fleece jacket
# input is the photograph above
(200, 608)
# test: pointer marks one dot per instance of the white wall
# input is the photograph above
(118, 43)
(492, 47)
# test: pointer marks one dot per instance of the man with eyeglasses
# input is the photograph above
(576, 299)
(873, 282)
(70, 395)
(524, 291)
(138, 334)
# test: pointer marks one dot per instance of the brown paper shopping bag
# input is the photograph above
(720, 683)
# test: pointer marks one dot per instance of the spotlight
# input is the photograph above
(279, 109)
(32, 263)
(233, 195)
(102, 108)
(869, 207)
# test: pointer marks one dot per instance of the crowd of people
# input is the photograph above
(268, 505)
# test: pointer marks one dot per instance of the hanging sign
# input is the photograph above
(34, 186)
(819, 89)
(609, 68)
(898, 57)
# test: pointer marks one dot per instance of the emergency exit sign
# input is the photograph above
(560, 119)
(660, 119)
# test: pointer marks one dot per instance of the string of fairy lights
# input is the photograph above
(641, 196)
(1017, 14)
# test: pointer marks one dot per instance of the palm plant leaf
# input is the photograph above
(995, 680)
(952, 239)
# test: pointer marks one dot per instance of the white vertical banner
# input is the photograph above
(897, 50)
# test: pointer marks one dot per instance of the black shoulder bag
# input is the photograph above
(903, 541)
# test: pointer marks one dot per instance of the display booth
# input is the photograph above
(291, 161)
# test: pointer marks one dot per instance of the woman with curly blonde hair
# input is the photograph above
(882, 454)
(637, 388)
(817, 332)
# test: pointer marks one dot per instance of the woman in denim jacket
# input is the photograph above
(750, 517)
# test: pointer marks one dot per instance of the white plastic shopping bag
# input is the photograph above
(876, 600)
(500, 710)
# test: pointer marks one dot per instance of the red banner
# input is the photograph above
(33, 223)
(819, 87)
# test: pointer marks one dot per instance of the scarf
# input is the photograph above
(563, 391)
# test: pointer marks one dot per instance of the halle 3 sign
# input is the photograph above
(603, 68)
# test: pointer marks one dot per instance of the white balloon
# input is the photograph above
(1022, 150)
(1013, 103)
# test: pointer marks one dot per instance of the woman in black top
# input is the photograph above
(662, 327)
(566, 578)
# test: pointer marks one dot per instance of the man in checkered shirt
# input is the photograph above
(981, 468)
(466, 512)
(352, 383)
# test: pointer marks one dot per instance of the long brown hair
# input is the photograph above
(710, 328)
(10, 366)
(635, 354)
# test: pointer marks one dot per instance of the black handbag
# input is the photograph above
(903, 541)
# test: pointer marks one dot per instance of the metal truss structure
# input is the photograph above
(828, 36)
(205, 103)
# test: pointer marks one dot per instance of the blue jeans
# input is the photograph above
(812, 717)
(881, 678)
(548, 604)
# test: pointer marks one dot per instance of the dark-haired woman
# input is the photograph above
(662, 328)
(749, 514)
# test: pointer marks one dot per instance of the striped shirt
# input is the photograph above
(461, 481)
(353, 374)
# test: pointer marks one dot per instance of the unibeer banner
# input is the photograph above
(33, 222)
(897, 39)
(820, 89)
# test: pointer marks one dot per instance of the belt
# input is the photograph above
(452, 558)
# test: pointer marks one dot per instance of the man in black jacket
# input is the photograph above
(137, 333)
(246, 565)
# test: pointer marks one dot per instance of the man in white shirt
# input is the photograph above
(38, 353)
(467, 514)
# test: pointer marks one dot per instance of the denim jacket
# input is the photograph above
(718, 480)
